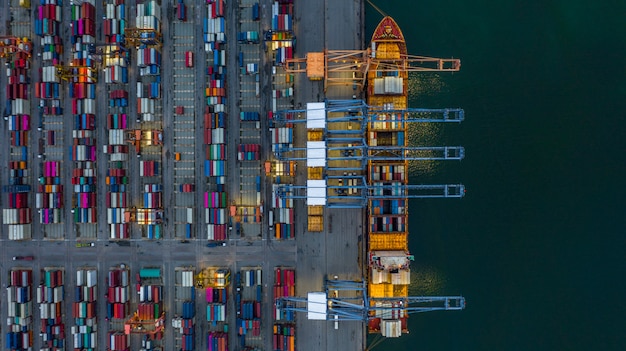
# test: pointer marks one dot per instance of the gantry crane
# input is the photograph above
(143, 36)
(143, 215)
(10, 45)
(348, 300)
(347, 154)
(140, 138)
(73, 73)
(351, 67)
(152, 327)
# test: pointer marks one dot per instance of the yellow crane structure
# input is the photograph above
(213, 277)
(10, 45)
(140, 138)
(350, 67)
(82, 74)
(143, 36)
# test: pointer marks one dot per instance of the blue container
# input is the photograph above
(24, 153)
(259, 293)
(188, 230)
(255, 11)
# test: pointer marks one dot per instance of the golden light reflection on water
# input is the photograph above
(424, 134)
(426, 281)
(422, 85)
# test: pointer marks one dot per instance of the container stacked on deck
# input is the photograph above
(248, 303)
(82, 90)
(18, 214)
(185, 324)
(19, 333)
(281, 36)
(388, 256)
(49, 197)
(50, 296)
(117, 295)
(115, 59)
(84, 310)
(283, 338)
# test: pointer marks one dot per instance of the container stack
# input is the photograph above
(83, 94)
(214, 26)
(114, 22)
(117, 295)
(148, 61)
(282, 138)
(152, 202)
(215, 204)
(284, 227)
(47, 27)
(249, 298)
(49, 197)
(18, 214)
(84, 310)
(284, 328)
(150, 305)
(216, 299)
(217, 341)
(19, 333)
(50, 297)
(284, 337)
(118, 341)
(215, 122)
(185, 296)
(150, 308)
(115, 57)
(281, 38)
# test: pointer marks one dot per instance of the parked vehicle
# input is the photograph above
(23, 258)
(216, 244)
(85, 244)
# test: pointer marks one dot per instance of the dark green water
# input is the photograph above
(538, 245)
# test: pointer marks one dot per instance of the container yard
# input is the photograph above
(248, 299)
(185, 188)
(84, 310)
(51, 299)
(117, 307)
(184, 320)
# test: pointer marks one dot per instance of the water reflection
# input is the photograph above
(426, 281)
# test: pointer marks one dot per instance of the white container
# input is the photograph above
(189, 215)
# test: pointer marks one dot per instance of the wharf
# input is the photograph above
(338, 250)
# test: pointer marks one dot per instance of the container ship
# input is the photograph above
(388, 255)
